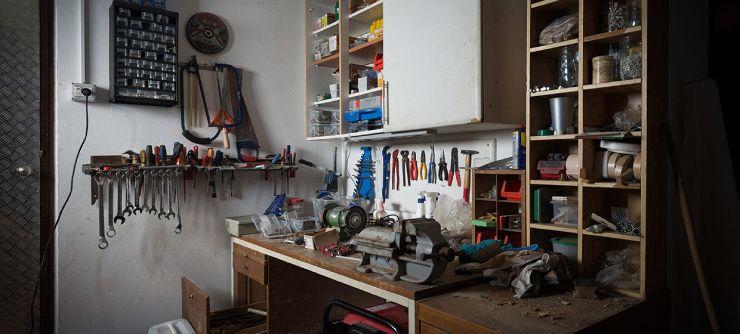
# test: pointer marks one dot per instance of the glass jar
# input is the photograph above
(568, 67)
(633, 13)
(630, 61)
(616, 15)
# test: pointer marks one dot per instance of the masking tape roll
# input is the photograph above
(571, 167)
(623, 166)
(637, 166)
(612, 165)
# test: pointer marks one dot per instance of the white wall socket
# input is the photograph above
(77, 92)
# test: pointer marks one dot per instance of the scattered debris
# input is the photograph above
(564, 302)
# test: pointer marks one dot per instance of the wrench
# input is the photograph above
(161, 197)
(111, 231)
(178, 228)
(170, 213)
(119, 218)
(102, 242)
(127, 210)
(137, 192)
(145, 207)
(153, 206)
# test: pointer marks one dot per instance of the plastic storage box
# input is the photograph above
(567, 246)
(564, 210)
(319, 130)
(366, 103)
(323, 117)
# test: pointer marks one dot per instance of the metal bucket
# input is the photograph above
(562, 110)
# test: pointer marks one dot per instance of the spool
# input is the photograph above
(571, 167)
(637, 166)
(612, 164)
(623, 167)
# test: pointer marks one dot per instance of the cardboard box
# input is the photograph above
(318, 240)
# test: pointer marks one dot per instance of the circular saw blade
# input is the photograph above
(207, 33)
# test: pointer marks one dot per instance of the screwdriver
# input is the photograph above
(142, 157)
(163, 155)
(156, 156)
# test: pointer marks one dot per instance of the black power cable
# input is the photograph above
(87, 92)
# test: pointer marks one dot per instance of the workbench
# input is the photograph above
(298, 278)
(297, 283)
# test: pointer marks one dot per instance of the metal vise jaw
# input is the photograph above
(413, 250)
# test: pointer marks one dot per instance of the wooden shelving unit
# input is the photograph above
(596, 105)
(485, 180)
(338, 67)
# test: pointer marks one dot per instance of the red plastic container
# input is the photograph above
(512, 190)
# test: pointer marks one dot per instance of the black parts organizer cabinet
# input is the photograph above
(143, 55)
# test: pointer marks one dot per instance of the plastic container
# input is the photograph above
(512, 190)
(567, 246)
(271, 226)
(319, 130)
(323, 117)
(366, 103)
(296, 205)
(565, 210)
(304, 224)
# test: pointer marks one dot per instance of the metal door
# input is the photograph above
(19, 162)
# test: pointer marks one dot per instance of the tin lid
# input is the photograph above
(603, 58)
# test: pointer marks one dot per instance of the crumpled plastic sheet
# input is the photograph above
(562, 29)
(457, 221)
(621, 269)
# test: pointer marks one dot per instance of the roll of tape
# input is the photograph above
(571, 167)
(623, 167)
(612, 164)
(637, 166)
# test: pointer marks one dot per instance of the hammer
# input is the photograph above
(468, 162)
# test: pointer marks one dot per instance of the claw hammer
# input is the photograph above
(468, 173)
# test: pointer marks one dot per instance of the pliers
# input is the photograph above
(432, 177)
(454, 168)
(394, 168)
(413, 168)
(405, 171)
(442, 167)
(423, 166)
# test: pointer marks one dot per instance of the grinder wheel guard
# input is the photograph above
(350, 220)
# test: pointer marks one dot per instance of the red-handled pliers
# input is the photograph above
(454, 168)
(413, 168)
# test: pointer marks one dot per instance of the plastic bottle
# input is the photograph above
(379, 209)
(420, 205)
(431, 203)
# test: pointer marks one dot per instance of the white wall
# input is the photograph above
(135, 283)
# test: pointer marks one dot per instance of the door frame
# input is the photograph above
(46, 163)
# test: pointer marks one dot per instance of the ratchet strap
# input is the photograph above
(192, 67)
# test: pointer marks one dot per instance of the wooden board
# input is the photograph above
(486, 309)
(448, 282)
(195, 306)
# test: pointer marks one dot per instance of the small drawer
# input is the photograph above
(249, 253)
(250, 268)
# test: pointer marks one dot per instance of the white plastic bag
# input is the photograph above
(456, 223)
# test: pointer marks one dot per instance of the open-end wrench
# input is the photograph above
(178, 228)
(111, 231)
(127, 210)
(161, 197)
(119, 218)
(145, 207)
(137, 192)
(170, 213)
(153, 205)
(102, 242)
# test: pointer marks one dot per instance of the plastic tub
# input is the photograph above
(564, 210)
(366, 103)
(567, 246)
(323, 117)
(319, 130)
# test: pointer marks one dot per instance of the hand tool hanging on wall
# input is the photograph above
(193, 68)
(111, 231)
(468, 165)
(405, 163)
(454, 168)
(413, 168)
(365, 175)
(432, 177)
(223, 118)
(102, 242)
(442, 168)
(423, 166)
(386, 171)
(394, 171)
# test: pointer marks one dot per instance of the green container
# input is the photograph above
(567, 246)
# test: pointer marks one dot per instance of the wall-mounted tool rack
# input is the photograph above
(143, 55)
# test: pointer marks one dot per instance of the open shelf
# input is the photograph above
(614, 235)
(553, 137)
(612, 37)
(369, 13)
(554, 227)
(327, 102)
(612, 185)
(554, 4)
(508, 201)
(609, 135)
(616, 87)
(331, 61)
(328, 30)
(334, 137)
(570, 91)
(554, 183)
(512, 230)
(486, 199)
(552, 49)
(367, 92)
(366, 50)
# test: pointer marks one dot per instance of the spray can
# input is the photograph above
(518, 150)
(431, 203)
(379, 209)
(420, 205)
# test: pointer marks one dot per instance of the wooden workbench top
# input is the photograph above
(346, 267)
(496, 309)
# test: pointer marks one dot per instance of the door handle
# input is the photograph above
(386, 111)
(24, 170)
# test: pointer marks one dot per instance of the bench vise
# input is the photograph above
(412, 250)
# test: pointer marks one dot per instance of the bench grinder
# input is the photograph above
(349, 220)
(412, 250)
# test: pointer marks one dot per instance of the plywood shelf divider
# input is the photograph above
(553, 137)
(366, 48)
(612, 36)
(554, 227)
(623, 86)
(560, 91)
(611, 185)
(555, 4)
(554, 183)
(331, 61)
(614, 235)
(552, 49)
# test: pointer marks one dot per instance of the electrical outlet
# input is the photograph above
(77, 92)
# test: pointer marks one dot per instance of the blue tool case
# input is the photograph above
(364, 115)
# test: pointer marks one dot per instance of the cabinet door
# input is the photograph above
(432, 63)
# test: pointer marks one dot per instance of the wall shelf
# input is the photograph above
(612, 37)
(369, 13)
(327, 102)
(554, 183)
(554, 4)
(552, 50)
(366, 50)
(570, 91)
(367, 92)
(331, 61)
(485, 180)
(554, 227)
(614, 235)
(616, 87)
(328, 30)
(553, 137)
(612, 185)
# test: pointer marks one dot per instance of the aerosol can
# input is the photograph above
(431, 203)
